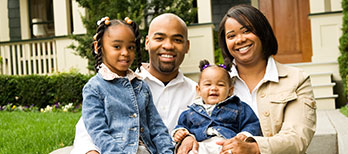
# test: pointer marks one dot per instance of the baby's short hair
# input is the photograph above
(203, 64)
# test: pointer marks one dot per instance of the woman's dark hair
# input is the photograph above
(252, 18)
(99, 38)
(203, 64)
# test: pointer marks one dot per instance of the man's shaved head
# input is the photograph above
(167, 18)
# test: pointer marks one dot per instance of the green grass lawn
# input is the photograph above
(35, 132)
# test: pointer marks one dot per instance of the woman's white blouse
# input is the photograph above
(242, 90)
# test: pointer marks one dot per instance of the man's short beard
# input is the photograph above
(168, 69)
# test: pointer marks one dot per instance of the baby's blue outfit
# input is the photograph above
(118, 112)
(228, 118)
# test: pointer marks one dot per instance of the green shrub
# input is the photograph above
(42, 90)
(8, 89)
(346, 85)
(343, 59)
(33, 89)
(217, 50)
(68, 87)
(344, 110)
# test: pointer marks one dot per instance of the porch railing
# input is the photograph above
(28, 57)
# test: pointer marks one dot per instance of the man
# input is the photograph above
(167, 43)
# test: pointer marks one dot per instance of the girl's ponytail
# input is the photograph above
(135, 29)
(98, 41)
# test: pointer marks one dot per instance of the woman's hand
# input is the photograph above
(237, 146)
(187, 145)
(242, 137)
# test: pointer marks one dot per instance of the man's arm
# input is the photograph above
(83, 143)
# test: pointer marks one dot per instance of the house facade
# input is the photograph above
(34, 38)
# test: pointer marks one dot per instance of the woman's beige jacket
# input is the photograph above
(287, 112)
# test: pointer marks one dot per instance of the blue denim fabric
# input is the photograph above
(229, 118)
(118, 112)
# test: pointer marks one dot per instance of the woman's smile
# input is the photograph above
(244, 49)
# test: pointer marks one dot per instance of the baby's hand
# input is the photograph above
(242, 137)
(180, 135)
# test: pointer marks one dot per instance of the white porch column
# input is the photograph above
(61, 17)
(78, 12)
(319, 6)
(255, 3)
(24, 13)
(204, 11)
(4, 27)
(336, 5)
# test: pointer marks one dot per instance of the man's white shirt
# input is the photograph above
(170, 100)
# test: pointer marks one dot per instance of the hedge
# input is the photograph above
(346, 87)
(42, 90)
(343, 59)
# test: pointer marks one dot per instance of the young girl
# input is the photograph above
(117, 109)
(215, 115)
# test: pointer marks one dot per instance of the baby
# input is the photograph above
(216, 115)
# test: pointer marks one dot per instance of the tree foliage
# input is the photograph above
(140, 11)
(343, 59)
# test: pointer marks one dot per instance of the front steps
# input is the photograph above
(321, 79)
(331, 136)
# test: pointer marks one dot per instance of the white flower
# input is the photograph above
(48, 109)
(66, 108)
(20, 107)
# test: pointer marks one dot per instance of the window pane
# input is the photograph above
(41, 14)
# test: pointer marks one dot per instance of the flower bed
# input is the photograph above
(57, 107)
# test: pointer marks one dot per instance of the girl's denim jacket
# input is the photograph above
(117, 113)
(229, 117)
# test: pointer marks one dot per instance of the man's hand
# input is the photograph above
(180, 135)
(92, 152)
(188, 144)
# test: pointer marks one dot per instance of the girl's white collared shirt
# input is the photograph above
(107, 74)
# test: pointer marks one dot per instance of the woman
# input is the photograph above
(281, 96)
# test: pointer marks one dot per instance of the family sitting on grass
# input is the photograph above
(250, 104)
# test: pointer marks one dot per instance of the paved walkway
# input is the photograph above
(331, 136)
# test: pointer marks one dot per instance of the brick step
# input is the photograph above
(331, 136)
(325, 137)
(340, 123)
